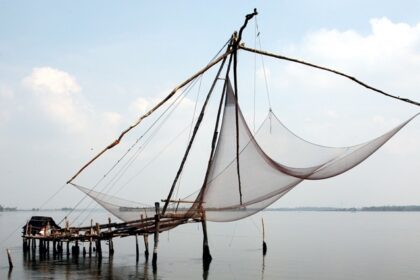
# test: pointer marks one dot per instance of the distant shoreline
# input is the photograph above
(404, 208)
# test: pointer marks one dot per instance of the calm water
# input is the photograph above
(301, 245)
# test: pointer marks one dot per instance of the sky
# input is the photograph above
(73, 74)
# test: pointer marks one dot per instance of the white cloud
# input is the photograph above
(140, 105)
(47, 79)
(387, 57)
(111, 118)
(57, 92)
(6, 92)
(7, 106)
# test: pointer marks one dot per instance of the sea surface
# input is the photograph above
(301, 245)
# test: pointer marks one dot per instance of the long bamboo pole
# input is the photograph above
(331, 71)
(163, 101)
(196, 127)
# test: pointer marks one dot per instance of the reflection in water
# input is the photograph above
(206, 268)
(87, 268)
(263, 267)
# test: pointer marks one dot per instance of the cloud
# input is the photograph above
(6, 92)
(140, 105)
(7, 96)
(57, 93)
(111, 118)
(387, 57)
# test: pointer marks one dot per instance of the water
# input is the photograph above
(301, 245)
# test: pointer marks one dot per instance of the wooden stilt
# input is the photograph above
(264, 245)
(146, 242)
(28, 245)
(98, 242)
(84, 252)
(156, 235)
(206, 250)
(146, 246)
(41, 244)
(54, 248)
(137, 249)
(24, 244)
(68, 248)
(98, 248)
(110, 243)
(9, 259)
(90, 239)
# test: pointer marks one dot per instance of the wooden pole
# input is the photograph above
(98, 248)
(9, 258)
(156, 235)
(169, 96)
(98, 242)
(264, 245)
(90, 238)
(110, 243)
(146, 242)
(328, 70)
(193, 135)
(206, 250)
(137, 249)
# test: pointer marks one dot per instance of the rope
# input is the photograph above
(80, 201)
(124, 168)
(255, 69)
(117, 177)
(263, 65)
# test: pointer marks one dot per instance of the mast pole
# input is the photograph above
(237, 41)
(169, 96)
(278, 56)
(196, 127)
(215, 135)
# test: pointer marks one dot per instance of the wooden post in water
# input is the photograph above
(98, 242)
(54, 248)
(40, 248)
(25, 240)
(156, 235)
(9, 258)
(110, 242)
(264, 245)
(90, 238)
(206, 250)
(146, 243)
(68, 248)
(137, 248)
(47, 248)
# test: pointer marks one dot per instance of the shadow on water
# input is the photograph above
(84, 268)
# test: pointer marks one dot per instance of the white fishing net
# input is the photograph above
(270, 165)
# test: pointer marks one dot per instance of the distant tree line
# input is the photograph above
(405, 208)
(7, 208)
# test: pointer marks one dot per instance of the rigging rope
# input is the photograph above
(171, 106)
(263, 65)
(111, 184)
(255, 70)
(193, 79)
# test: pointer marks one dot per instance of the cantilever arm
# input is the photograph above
(329, 70)
(172, 93)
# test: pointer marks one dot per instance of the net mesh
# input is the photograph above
(270, 164)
